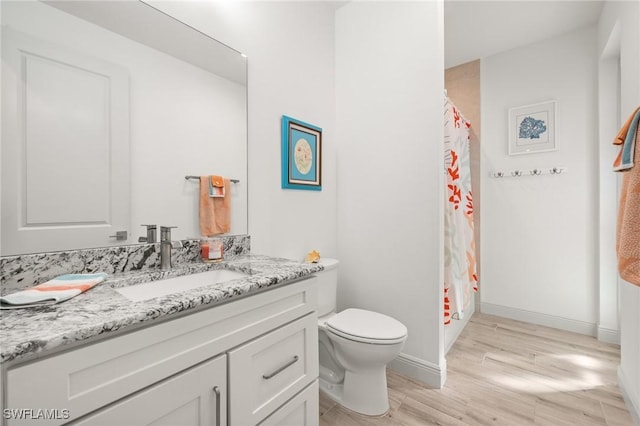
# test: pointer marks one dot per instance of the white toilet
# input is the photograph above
(355, 347)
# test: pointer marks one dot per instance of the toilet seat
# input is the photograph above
(365, 326)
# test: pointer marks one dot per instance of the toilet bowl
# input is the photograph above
(355, 347)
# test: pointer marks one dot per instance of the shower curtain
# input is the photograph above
(460, 277)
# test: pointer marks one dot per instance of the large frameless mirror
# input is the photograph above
(106, 107)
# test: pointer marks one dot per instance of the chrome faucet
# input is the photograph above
(165, 247)
(151, 235)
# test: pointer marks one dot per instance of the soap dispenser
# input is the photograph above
(212, 249)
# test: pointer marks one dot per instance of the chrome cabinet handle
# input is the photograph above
(216, 390)
(281, 369)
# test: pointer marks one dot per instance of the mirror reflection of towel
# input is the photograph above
(215, 212)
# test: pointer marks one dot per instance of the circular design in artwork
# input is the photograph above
(303, 156)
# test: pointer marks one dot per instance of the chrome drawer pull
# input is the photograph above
(217, 392)
(279, 370)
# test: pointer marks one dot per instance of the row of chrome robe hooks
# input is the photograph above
(532, 172)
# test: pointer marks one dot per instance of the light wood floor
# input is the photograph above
(505, 372)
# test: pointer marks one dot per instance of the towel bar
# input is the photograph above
(190, 177)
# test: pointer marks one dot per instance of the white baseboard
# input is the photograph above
(608, 335)
(423, 371)
(582, 327)
(632, 401)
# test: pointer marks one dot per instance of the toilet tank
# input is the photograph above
(327, 286)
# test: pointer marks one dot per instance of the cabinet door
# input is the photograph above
(196, 397)
(301, 410)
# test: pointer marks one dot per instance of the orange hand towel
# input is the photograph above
(217, 180)
(215, 213)
(216, 187)
(628, 232)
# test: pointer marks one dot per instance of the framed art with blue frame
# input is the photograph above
(301, 155)
(532, 128)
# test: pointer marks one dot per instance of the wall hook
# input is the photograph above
(555, 171)
(498, 174)
(516, 173)
(536, 172)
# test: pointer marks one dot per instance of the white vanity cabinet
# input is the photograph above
(243, 363)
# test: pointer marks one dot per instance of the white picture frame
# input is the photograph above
(532, 128)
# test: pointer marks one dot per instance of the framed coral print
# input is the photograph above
(301, 155)
(532, 128)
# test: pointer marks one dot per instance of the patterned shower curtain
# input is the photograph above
(460, 277)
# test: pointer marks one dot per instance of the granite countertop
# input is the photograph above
(29, 332)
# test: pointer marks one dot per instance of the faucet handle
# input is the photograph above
(165, 233)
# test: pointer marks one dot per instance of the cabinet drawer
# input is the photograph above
(268, 371)
(302, 410)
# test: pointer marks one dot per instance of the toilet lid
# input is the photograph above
(366, 326)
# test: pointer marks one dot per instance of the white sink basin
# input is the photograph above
(153, 289)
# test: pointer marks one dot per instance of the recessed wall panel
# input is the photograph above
(66, 143)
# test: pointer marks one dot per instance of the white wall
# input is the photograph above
(389, 88)
(539, 245)
(291, 72)
(290, 49)
(622, 18)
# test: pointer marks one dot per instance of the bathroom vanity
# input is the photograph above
(241, 352)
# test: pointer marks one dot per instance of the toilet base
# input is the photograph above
(363, 393)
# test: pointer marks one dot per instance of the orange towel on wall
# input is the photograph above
(215, 212)
(628, 227)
